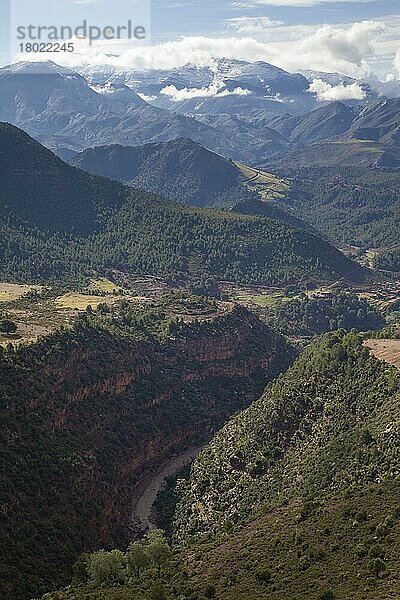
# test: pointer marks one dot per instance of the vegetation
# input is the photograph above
(115, 228)
(389, 260)
(337, 310)
(305, 437)
(351, 206)
(87, 412)
(8, 327)
(296, 496)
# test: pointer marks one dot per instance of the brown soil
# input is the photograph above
(386, 350)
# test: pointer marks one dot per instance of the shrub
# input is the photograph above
(209, 591)
(264, 575)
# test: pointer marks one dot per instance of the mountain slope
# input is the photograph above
(132, 230)
(322, 123)
(38, 189)
(330, 423)
(349, 205)
(181, 169)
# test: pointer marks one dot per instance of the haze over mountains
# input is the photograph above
(246, 111)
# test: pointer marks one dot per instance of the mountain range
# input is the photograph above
(259, 112)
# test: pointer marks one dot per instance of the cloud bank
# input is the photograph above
(326, 48)
(214, 90)
(328, 93)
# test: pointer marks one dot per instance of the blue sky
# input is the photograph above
(173, 18)
(359, 37)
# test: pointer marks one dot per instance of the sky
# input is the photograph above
(359, 38)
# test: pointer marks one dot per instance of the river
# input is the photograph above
(142, 513)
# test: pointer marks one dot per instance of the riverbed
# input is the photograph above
(142, 513)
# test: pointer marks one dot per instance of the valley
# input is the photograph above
(150, 386)
(199, 331)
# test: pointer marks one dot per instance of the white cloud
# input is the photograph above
(148, 99)
(214, 90)
(396, 62)
(328, 93)
(328, 48)
(251, 25)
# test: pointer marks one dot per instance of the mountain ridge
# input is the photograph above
(115, 227)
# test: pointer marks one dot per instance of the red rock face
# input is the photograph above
(105, 412)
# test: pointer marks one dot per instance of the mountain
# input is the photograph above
(89, 412)
(306, 421)
(322, 123)
(181, 170)
(59, 108)
(223, 87)
(246, 111)
(321, 444)
(39, 190)
(336, 135)
(185, 172)
(378, 122)
(120, 225)
(337, 154)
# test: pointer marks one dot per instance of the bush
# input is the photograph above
(209, 591)
(264, 575)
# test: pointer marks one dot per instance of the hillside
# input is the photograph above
(118, 227)
(38, 190)
(180, 170)
(353, 206)
(185, 172)
(322, 407)
(88, 411)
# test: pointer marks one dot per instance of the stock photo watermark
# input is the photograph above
(38, 38)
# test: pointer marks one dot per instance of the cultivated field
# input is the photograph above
(386, 350)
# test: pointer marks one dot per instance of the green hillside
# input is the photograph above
(330, 423)
(348, 205)
(58, 223)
